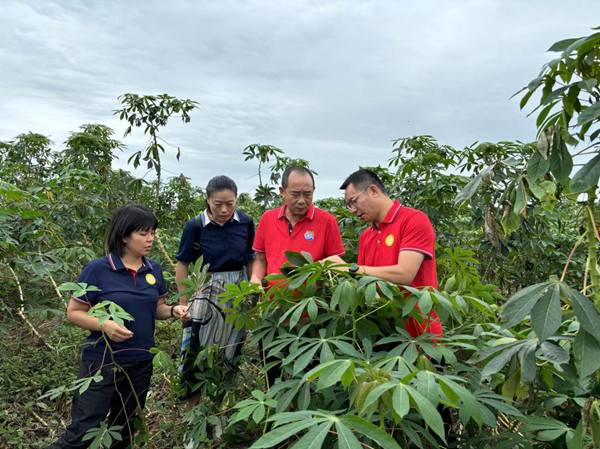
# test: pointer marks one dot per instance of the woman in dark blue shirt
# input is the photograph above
(224, 237)
(126, 277)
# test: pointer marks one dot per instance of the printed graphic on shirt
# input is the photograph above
(150, 279)
(389, 240)
(309, 235)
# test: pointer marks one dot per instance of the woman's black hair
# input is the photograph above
(127, 220)
(218, 183)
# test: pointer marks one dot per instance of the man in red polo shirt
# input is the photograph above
(399, 246)
(297, 226)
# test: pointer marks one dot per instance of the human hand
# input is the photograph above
(336, 259)
(115, 331)
(181, 312)
(256, 280)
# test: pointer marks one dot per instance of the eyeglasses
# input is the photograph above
(351, 206)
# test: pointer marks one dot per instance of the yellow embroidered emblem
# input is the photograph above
(389, 240)
(150, 279)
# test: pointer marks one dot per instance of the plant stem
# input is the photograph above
(571, 255)
(591, 242)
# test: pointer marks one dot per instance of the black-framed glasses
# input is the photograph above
(351, 206)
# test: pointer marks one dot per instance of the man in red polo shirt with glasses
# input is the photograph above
(399, 246)
(297, 226)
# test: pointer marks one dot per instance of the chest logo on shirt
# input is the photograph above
(389, 240)
(309, 235)
(150, 279)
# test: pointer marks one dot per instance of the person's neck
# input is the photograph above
(293, 218)
(384, 207)
(132, 261)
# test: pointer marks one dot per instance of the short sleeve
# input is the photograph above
(88, 276)
(333, 243)
(259, 237)
(361, 250)
(160, 281)
(418, 235)
(186, 244)
(250, 242)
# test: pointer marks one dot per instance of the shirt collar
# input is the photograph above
(117, 264)
(206, 219)
(391, 215)
(310, 213)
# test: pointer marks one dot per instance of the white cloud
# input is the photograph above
(329, 81)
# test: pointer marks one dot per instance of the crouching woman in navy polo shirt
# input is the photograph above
(224, 237)
(126, 277)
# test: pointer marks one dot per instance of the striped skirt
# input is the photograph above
(207, 326)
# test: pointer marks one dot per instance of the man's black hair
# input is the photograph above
(295, 169)
(361, 179)
(219, 183)
(127, 220)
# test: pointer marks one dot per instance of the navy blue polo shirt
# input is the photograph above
(225, 247)
(136, 292)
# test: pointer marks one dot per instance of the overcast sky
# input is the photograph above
(329, 81)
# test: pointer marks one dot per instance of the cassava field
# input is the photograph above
(519, 290)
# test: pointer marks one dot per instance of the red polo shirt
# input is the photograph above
(403, 229)
(317, 233)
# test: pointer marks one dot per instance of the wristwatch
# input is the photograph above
(353, 270)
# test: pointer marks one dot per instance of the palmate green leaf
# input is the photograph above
(297, 314)
(537, 166)
(498, 362)
(282, 433)
(587, 176)
(550, 435)
(427, 386)
(561, 162)
(318, 370)
(313, 311)
(413, 435)
(303, 361)
(470, 405)
(369, 430)
(346, 439)
(304, 397)
(539, 192)
(520, 304)
(546, 314)
(295, 258)
(528, 365)
(521, 198)
(69, 286)
(333, 374)
(315, 437)
(428, 412)
(376, 393)
(589, 114)
(299, 280)
(588, 316)
(586, 350)
(576, 441)
(554, 352)
(245, 412)
(511, 385)
(401, 401)
(345, 296)
(468, 191)
(425, 301)
(562, 45)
